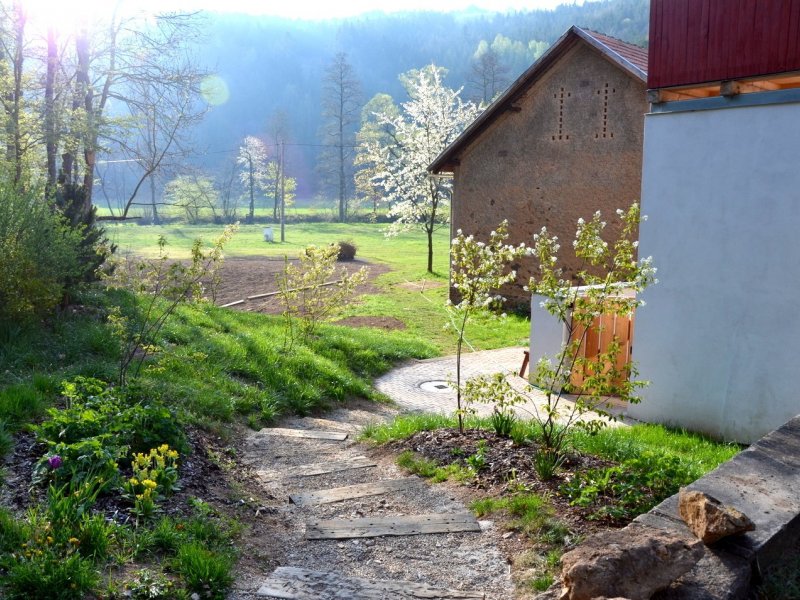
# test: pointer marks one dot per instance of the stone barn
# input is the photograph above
(563, 141)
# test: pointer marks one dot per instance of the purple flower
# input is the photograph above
(54, 461)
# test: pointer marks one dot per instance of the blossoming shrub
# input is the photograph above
(315, 290)
(478, 271)
(609, 269)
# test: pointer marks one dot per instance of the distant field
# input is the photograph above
(305, 210)
(407, 291)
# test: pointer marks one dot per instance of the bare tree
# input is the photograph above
(341, 110)
(162, 118)
(488, 75)
(143, 68)
(279, 133)
(19, 120)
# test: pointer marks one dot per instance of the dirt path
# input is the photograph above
(465, 561)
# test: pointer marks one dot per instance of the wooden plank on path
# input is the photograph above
(358, 462)
(360, 490)
(305, 433)
(229, 304)
(292, 583)
(380, 526)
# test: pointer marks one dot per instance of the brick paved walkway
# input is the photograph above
(420, 385)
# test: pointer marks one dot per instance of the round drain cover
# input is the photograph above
(437, 387)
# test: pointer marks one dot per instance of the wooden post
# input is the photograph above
(283, 192)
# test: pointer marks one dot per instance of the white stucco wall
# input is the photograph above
(547, 333)
(720, 335)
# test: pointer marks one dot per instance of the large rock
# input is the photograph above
(634, 563)
(709, 519)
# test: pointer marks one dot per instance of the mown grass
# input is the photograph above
(421, 310)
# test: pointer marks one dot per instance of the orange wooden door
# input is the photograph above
(603, 330)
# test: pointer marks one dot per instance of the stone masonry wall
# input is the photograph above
(574, 147)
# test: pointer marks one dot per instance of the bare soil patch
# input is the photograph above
(421, 286)
(249, 276)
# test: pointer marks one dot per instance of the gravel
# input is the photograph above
(470, 561)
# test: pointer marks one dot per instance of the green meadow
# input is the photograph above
(420, 307)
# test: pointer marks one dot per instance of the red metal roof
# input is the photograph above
(705, 41)
(631, 59)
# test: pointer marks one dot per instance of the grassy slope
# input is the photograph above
(422, 312)
(220, 363)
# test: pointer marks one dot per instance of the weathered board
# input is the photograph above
(380, 526)
(357, 462)
(360, 490)
(292, 583)
(305, 433)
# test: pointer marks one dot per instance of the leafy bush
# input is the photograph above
(96, 410)
(156, 289)
(41, 253)
(93, 459)
(307, 293)
(347, 251)
(630, 489)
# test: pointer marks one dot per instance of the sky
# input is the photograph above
(59, 11)
(333, 8)
(65, 14)
(305, 9)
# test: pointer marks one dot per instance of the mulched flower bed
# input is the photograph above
(508, 468)
(198, 478)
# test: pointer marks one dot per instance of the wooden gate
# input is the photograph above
(603, 330)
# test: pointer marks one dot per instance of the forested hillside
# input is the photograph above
(274, 67)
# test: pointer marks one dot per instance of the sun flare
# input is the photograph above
(65, 17)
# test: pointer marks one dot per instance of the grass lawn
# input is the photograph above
(422, 312)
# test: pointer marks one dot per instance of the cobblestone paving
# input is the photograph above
(404, 384)
(421, 385)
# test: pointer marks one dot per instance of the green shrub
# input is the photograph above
(6, 440)
(632, 488)
(93, 460)
(347, 251)
(151, 586)
(13, 533)
(41, 253)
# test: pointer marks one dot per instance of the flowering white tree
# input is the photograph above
(432, 118)
(253, 160)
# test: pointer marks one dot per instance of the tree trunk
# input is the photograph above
(252, 210)
(342, 185)
(13, 97)
(90, 136)
(156, 219)
(50, 110)
(429, 231)
(342, 182)
(283, 194)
